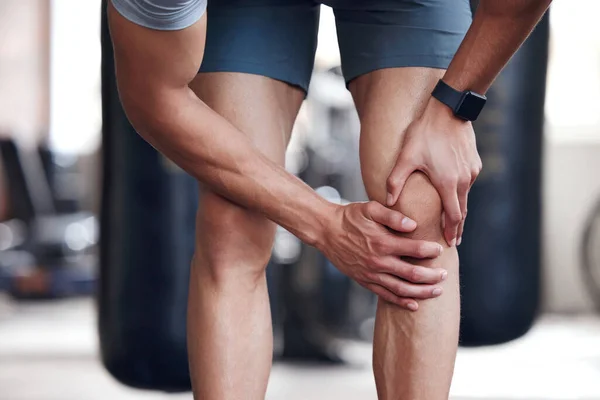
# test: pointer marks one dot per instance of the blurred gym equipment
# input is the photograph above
(45, 252)
(146, 245)
(322, 304)
(591, 255)
(500, 254)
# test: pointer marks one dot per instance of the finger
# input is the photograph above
(403, 288)
(452, 214)
(413, 273)
(463, 195)
(461, 229)
(393, 219)
(397, 179)
(405, 247)
(466, 210)
(383, 293)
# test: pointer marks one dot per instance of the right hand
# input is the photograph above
(358, 242)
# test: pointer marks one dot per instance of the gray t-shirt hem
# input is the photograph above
(164, 15)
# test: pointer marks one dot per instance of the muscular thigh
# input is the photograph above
(388, 100)
(265, 110)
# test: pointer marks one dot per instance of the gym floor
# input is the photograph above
(48, 351)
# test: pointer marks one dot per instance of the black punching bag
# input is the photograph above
(500, 254)
(147, 240)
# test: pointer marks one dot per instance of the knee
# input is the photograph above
(231, 241)
(421, 202)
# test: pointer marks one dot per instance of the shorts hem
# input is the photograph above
(284, 74)
(359, 68)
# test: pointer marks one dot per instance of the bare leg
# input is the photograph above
(414, 353)
(229, 322)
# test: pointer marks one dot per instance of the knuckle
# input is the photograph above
(449, 181)
(370, 277)
(379, 265)
(399, 290)
(387, 297)
(371, 207)
(393, 218)
(382, 247)
(392, 181)
(465, 178)
(478, 168)
(415, 274)
(409, 158)
(455, 216)
(370, 261)
(420, 250)
(379, 280)
(377, 245)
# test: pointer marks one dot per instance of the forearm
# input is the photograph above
(212, 150)
(499, 28)
(153, 71)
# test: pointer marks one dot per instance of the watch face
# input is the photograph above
(470, 106)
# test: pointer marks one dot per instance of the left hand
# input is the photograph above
(443, 147)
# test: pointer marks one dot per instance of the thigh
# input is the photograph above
(265, 110)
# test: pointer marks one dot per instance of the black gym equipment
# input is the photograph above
(146, 245)
(320, 303)
(500, 253)
(44, 253)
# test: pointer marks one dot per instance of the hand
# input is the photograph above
(443, 147)
(358, 243)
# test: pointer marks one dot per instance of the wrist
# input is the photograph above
(435, 109)
(316, 225)
(464, 104)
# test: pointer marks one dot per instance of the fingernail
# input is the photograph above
(440, 248)
(408, 223)
(444, 275)
(412, 306)
(436, 292)
(390, 200)
(459, 241)
(453, 242)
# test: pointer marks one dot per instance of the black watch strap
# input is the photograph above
(465, 105)
(447, 94)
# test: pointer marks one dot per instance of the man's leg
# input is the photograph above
(414, 352)
(229, 321)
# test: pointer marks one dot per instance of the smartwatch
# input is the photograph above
(466, 105)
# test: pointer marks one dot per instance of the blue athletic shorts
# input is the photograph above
(278, 38)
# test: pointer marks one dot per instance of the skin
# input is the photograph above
(414, 154)
(244, 186)
(413, 353)
(154, 69)
(443, 146)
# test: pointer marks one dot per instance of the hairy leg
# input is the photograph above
(414, 352)
(229, 322)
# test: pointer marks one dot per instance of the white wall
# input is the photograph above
(75, 54)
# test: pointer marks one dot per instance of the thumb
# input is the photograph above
(397, 179)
